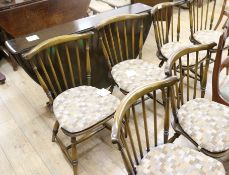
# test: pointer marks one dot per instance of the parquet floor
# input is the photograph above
(26, 129)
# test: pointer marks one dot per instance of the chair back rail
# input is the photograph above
(61, 63)
(219, 65)
(121, 38)
(135, 127)
(190, 70)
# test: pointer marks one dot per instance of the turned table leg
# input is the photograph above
(2, 78)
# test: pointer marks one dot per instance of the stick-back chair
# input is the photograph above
(200, 120)
(121, 39)
(192, 73)
(63, 67)
(145, 150)
(168, 21)
(205, 26)
(220, 91)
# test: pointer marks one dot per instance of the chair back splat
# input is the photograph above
(122, 37)
(203, 15)
(167, 22)
(62, 63)
(135, 128)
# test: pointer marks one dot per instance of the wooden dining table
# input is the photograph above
(18, 46)
(22, 17)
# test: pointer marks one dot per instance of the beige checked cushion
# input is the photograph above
(131, 74)
(170, 49)
(207, 123)
(224, 89)
(79, 108)
(209, 36)
(117, 3)
(99, 6)
(170, 159)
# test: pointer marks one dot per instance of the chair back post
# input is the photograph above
(118, 34)
(61, 63)
(141, 132)
(218, 66)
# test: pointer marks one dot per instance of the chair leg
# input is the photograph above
(161, 63)
(55, 130)
(74, 155)
(174, 137)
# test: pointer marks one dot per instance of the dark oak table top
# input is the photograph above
(21, 44)
(4, 4)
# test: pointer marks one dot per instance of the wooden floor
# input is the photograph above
(26, 130)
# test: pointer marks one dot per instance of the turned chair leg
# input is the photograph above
(74, 155)
(55, 131)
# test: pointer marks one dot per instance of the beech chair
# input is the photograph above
(145, 150)
(200, 120)
(204, 26)
(168, 29)
(121, 39)
(220, 91)
(63, 68)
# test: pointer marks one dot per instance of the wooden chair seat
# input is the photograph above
(79, 108)
(171, 48)
(117, 3)
(131, 74)
(209, 36)
(224, 89)
(173, 159)
(206, 122)
(99, 6)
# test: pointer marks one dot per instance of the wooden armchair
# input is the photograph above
(63, 67)
(169, 30)
(121, 39)
(201, 121)
(220, 93)
(145, 150)
(190, 72)
(204, 25)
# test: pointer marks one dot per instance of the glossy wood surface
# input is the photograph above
(100, 75)
(24, 17)
(20, 44)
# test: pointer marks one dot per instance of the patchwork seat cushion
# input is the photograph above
(117, 3)
(207, 123)
(131, 74)
(224, 89)
(81, 107)
(99, 6)
(171, 48)
(170, 159)
(209, 36)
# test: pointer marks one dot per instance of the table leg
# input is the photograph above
(2, 78)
